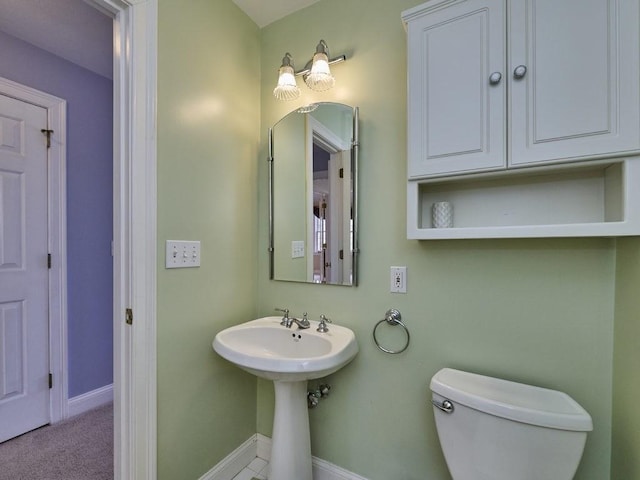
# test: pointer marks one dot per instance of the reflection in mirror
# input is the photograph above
(313, 158)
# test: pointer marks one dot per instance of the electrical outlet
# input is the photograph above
(182, 254)
(398, 280)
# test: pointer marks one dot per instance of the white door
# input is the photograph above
(24, 324)
(456, 89)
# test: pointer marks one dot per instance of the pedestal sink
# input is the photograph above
(289, 357)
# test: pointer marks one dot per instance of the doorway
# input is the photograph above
(331, 225)
(134, 247)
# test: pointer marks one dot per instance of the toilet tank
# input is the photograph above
(502, 430)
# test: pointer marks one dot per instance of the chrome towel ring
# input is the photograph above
(393, 318)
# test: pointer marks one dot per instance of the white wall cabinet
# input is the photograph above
(558, 80)
(522, 97)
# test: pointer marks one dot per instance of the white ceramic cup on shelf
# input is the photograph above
(442, 215)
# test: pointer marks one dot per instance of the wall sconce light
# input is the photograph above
(287, 88)
(316, 73)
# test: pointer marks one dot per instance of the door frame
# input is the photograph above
(317, 132)
(56, 238)
(134, 231)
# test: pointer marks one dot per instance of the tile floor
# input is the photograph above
(258, 468)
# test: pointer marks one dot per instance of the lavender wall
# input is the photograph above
(89, 203)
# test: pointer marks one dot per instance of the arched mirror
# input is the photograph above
(313, 173)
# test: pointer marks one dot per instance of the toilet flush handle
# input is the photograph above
(446, 406)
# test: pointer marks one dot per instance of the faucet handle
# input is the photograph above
(322, 327)
(285, 317)
(304, 323)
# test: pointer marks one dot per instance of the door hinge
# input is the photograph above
(128, 316)
(341, 173)
(48, 260)
(51, 380)
(341, 254)
(47, 133)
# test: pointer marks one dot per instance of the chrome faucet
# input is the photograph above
(302, 324)
(287, 321)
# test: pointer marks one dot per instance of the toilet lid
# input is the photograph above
(511, 400)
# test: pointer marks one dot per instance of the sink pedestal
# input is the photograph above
(291, 445)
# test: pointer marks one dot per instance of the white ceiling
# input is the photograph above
(70, 29)
(79, 33)
(264, 12)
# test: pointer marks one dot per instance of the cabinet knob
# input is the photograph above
(519, 72)
(494, 78)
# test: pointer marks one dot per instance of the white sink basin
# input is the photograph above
(269, 350)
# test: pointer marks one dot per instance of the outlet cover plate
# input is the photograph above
(398, 280)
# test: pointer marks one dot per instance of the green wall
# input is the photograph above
(290, 197)
(625, 458)
(535, 311)
(208, 134)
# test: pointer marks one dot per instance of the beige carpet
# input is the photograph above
(80, 448)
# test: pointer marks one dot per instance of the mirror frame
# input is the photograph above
(355, 147)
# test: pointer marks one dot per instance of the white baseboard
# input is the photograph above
(90, 400)
(264, 447)
(233, 463)
(260, 446)
(322, 470)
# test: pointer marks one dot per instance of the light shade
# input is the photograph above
(320, 78)
(287, 88)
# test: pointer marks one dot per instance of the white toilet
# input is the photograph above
(492, 429)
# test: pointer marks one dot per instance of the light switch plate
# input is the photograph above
(182, 254)
(297, 249)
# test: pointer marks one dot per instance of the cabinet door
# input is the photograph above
(456, 116)
(579, 95)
